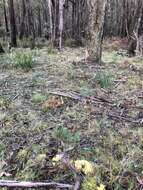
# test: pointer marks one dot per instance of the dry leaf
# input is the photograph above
(53, 103)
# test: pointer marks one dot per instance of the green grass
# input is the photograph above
(38, 98)
(103, 79)
(24, 61)
(21, 59)
(64, 135)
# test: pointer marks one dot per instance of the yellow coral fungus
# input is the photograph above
(57, 158)
(80, 165)
(84, 166)
(101, 187)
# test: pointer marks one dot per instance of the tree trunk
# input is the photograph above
(51, 20)
(22, 25)
(61, 22)
(96, 16)
(5, 17)
(139, 32)
(39, 23)
(136, 39)
(31, 29)
(12, 24)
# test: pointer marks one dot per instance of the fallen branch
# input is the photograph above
(79, 97)
(95, 100)
(17, 184)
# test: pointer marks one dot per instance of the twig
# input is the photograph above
(77, 184)
(120, 81)
(66, 161)
(123, 118)
(15, 184)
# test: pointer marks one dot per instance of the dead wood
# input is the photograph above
(103, 102)
(79, 97)
(23, 184)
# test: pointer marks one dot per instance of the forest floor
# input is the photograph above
(65, 104)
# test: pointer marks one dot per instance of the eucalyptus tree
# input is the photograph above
(96, 17)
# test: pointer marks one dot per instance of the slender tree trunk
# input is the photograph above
(13, 30)
(73, 19)
(39, 23)
(51, 20)
(5, 17)
(139, 32)
(31, 28)
(96, 16)
(61, 22)
(45, 14)
(136, 31)
(22, 25)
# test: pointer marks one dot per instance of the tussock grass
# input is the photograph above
(103, 79)
(22, 60)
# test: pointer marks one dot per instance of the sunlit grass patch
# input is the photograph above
(23, 60)
(138, 60)
(112, 57)
(4, 102)
(134, 82)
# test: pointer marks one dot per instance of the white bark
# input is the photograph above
(23, 184)
(51, 21)
(61, 22)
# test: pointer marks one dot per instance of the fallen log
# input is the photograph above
(17, 184)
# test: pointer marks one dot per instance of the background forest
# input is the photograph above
(71, 94)
(67, 19)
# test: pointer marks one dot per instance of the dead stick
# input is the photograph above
(77, 184)
(79, 97)
(15, 184)
(123, 118)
